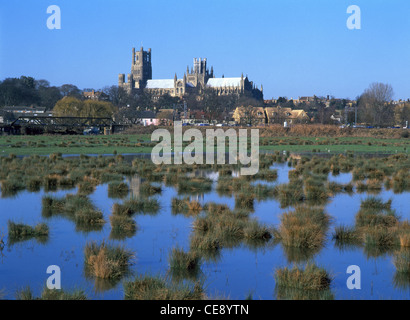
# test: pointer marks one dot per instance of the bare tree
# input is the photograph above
(249, 114)
(375, 105)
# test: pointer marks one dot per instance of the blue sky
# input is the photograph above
(293, 47)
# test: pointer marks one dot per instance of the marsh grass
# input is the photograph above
(77, 208)
(377, 228)
(118, 190)
(245, 201)
(147, 189)
(184, 265)
(303, 227)
(401, 281)
(48, 294)
(143, 205)
(87, 186)
(402, 262)
(33, 184)
(256, 231)
(11, 187)
(147, 287)
(346, 235)
(286, 293)
(266, 174)
(106, 261)
(185, 206)
(220, 227)
(122, 226)
(50, 182)
(376, 213)
(21, 232)
(194, 185)
(299, 254)
(309, 278)
(290, 194)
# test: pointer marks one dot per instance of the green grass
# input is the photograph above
(48, 144)
(140, 143)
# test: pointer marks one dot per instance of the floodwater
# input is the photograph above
(239, 272)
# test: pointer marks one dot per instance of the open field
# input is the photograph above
(141, 143)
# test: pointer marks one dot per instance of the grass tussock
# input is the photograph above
(186, 206)
(147, 189)
(402, 261)
(309, 278)
(20, 232)
(77, 208)
(48, 294)
(158, 288)
(118, 190)
(122, 226)
(305, 227)
(221, 227)
(106, 261)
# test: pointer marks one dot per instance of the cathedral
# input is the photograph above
(194, 81)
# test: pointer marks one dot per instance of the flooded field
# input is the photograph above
(243, 266)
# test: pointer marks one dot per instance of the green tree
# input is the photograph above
(18, 91)
(97, 109)
(72, 107)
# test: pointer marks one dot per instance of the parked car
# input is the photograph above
(92, 130)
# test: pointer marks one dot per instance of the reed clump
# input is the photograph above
(220, 227)
(122, 226)
(50, 294)
(20, 232)
(194, 185)
(77, 208)
(310, 278)
(402, 261)
(106, 261)
(305, 227)
(146, 287)
(148, 189)
(118, 190)
(186, 206)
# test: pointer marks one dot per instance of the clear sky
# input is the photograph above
(293, 47)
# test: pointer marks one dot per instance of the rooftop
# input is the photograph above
(224, 82)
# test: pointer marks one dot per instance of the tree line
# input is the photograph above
(373, 107)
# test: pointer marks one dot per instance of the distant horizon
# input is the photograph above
(293, 48)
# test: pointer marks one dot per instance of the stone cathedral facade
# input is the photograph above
(194, 81)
